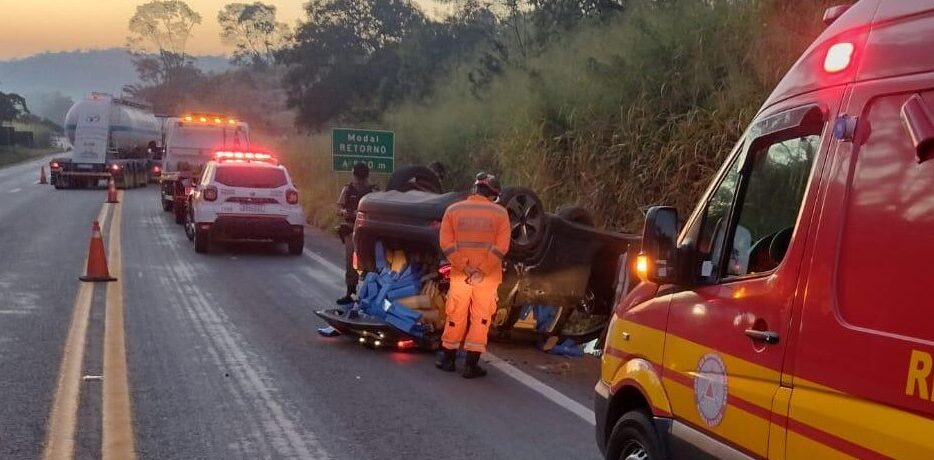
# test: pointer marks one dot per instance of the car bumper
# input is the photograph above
(601, 404)
(252, 227)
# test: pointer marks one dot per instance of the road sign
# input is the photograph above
(375, 148)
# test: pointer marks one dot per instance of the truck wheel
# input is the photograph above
(202, 241)
(527, 217)
(634, 437)
(414, 177)
(576, 214)
(297, 245)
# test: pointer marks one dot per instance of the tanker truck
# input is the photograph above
(110, 137)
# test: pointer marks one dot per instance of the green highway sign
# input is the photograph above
(375, 148)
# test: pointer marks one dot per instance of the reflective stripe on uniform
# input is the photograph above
(496, 252)
(451, 250)
(473, 244)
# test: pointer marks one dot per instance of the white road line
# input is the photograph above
(548, 392)
(15, 190)
(534, 384)
(325, 263)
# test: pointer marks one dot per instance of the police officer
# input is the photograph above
(474, 237)
(347, 209)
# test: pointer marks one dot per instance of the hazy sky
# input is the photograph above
(33, 26)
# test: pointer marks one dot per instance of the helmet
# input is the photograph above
(487, 184)
(361, 170)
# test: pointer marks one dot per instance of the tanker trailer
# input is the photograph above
(110, 137)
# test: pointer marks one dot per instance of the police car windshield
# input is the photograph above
(250, 176)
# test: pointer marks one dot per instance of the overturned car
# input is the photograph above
(558, 260)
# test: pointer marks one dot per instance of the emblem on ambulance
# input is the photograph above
(710, 389)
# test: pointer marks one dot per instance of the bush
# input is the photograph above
(619, 116)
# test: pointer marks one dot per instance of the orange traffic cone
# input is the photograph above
(97, 260)
(42, 178)
(111, 191)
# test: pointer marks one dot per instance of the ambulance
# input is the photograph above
(791, 316)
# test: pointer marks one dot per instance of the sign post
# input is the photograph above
(375, 148)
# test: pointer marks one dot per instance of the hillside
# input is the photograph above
(74, 73)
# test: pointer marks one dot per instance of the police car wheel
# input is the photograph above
(296, 245)
(202, 241)
(634, 438)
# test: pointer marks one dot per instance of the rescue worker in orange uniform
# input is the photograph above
(475, 237)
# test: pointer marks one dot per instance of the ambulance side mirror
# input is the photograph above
(658, 260)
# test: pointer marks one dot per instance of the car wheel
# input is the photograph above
(297, 245)
(576, 214)
(166, 205)
(634, 438)
(202, 241)
(414, 177)
(527, 218)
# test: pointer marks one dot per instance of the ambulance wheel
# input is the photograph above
(527, 218)
(634, 438)
(202, 241)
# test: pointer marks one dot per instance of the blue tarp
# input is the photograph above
(380, 289)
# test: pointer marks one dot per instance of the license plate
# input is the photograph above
(252, 208)
(84, 166)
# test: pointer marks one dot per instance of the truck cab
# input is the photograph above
(189, 143)
(789, 317)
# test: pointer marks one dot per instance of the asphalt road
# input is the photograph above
(216, 355)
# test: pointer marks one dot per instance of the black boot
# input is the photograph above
(473, 369)
(445, 360)
(347, 299)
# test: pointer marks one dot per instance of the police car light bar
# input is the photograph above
(242, 156)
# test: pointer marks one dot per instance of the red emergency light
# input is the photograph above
(223, 155)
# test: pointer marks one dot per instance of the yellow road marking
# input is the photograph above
(117, 442)
(60, 437)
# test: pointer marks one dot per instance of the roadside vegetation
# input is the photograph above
(15, 114)
(611, 104)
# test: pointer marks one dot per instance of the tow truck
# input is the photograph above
(189, 143)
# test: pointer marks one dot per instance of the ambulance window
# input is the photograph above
(776, 178)
(714, 223)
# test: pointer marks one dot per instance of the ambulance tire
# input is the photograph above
(528, 219)
(414, 177)
(634, 434)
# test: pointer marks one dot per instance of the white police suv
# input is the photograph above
(245, 196)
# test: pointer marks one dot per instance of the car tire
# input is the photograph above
(202, 241)
(166, 205)
(179, 214)
(527, 218)
(414, 177)
(576, 214)
(296, 245)
(634, 436)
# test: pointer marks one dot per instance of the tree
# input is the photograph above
(52, 106)
(159, 34)
(253, 30)
(345, 56)
(12, 106)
